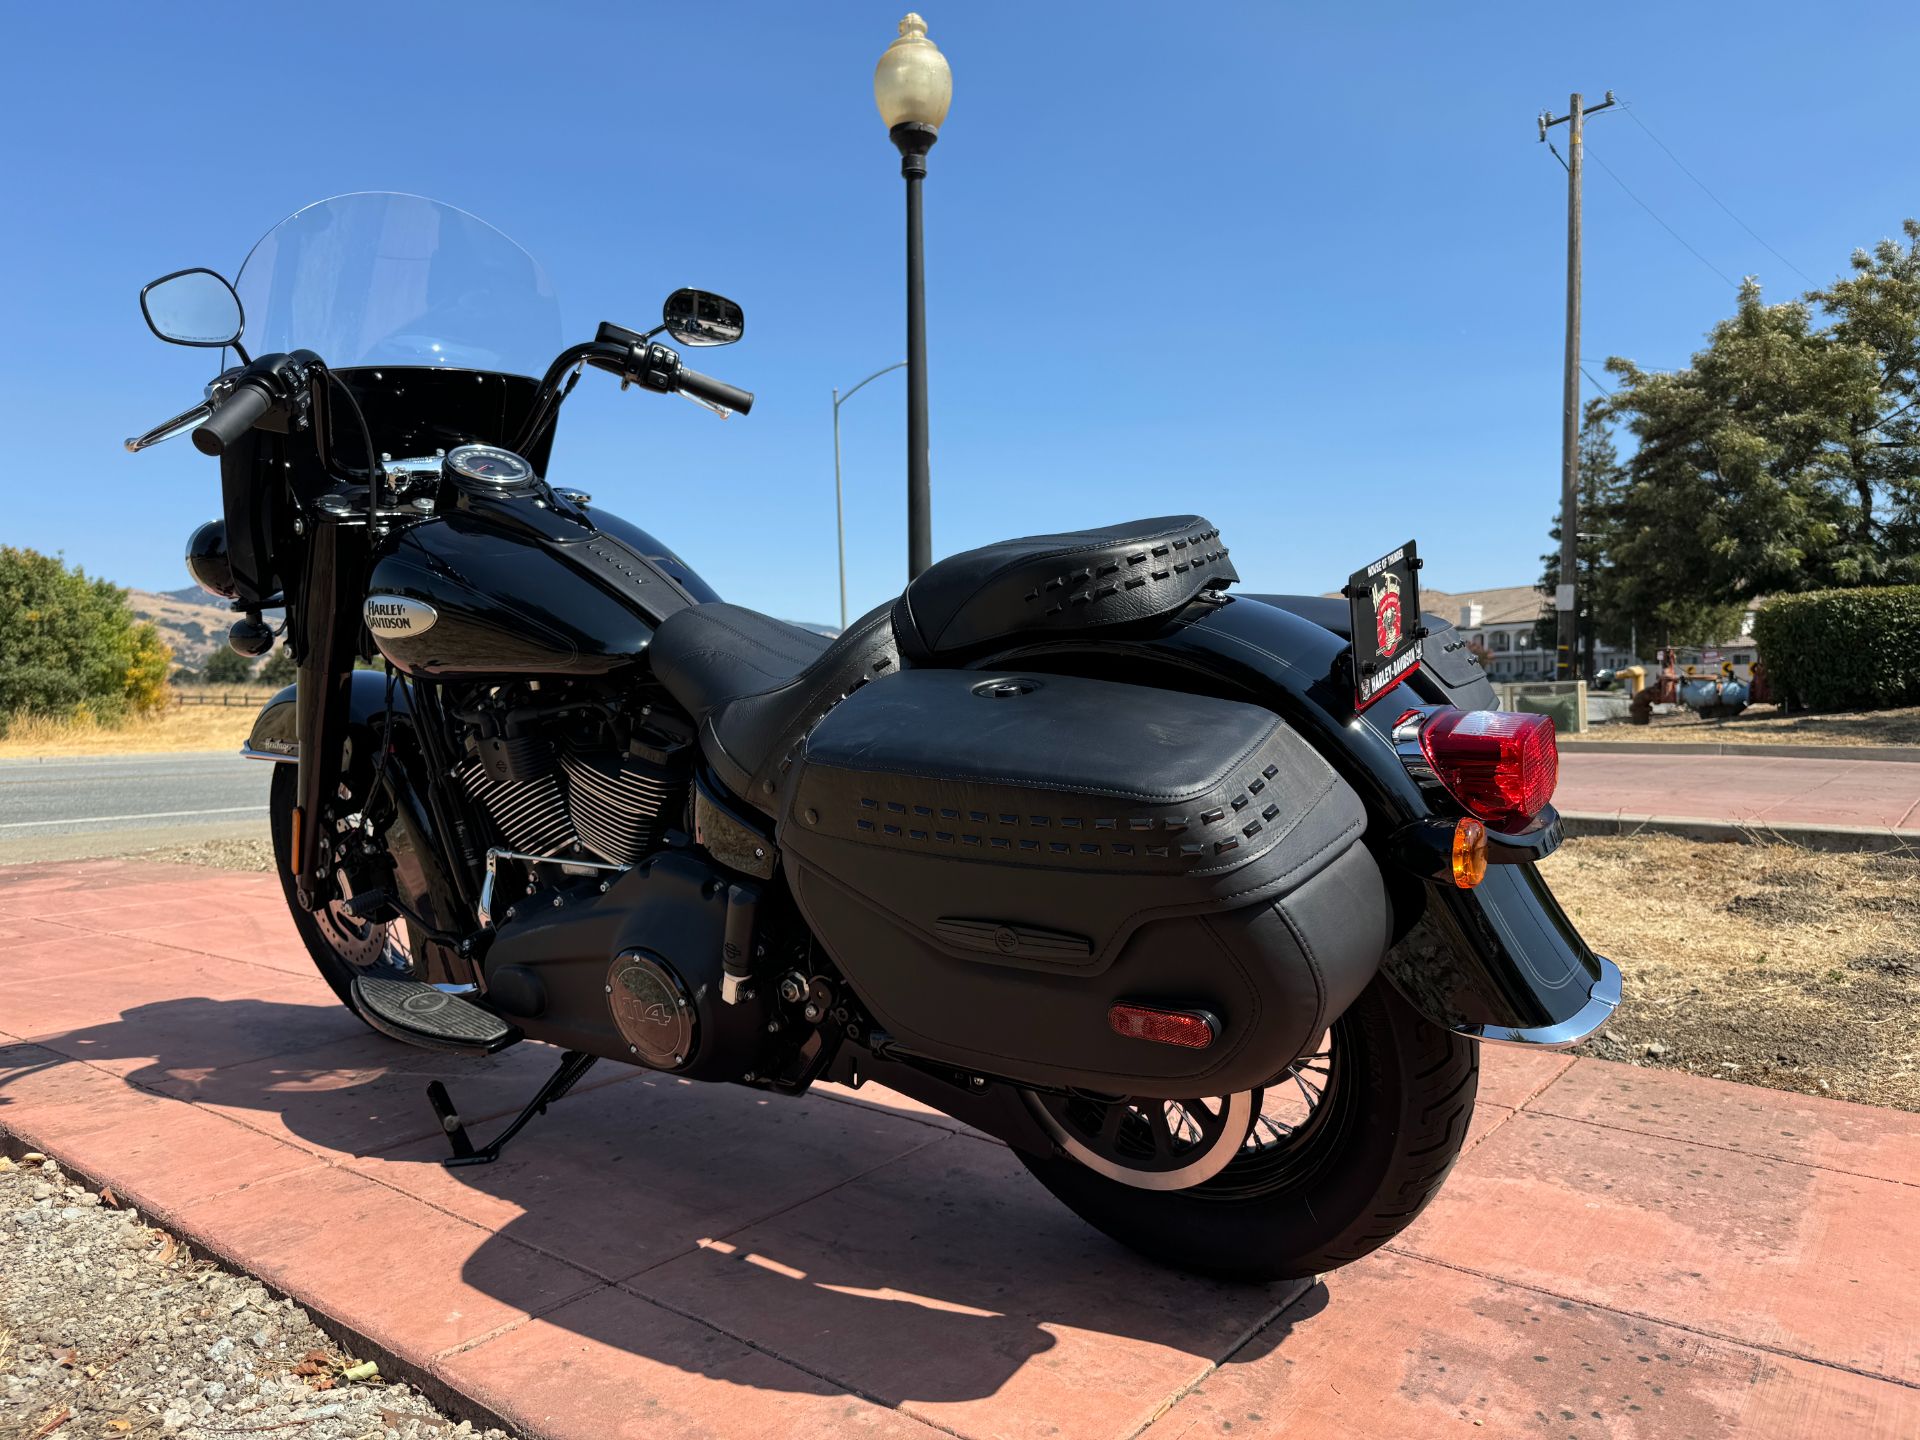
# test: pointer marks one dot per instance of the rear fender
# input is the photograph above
(1498, 962)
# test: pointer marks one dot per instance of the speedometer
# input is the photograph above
(488, 465)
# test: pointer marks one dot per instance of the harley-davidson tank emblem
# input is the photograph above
(397, 615)
(1386, 611)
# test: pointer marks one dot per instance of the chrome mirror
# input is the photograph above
(699, 317)
(193, 307)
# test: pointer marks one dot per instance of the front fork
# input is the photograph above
(322, 625)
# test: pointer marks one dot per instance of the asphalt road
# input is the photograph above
(55, 809)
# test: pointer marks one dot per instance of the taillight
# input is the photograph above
(1501, 766)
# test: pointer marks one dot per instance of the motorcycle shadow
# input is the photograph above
(858, 1244)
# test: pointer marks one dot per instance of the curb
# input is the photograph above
(1839, 839)
(423, 1376)
(1900, 754)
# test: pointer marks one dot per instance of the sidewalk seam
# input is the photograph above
(1670, 1324)
(1726, 1149)
(1212, 1367)
(840, 1184)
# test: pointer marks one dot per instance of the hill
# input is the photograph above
(192, 621)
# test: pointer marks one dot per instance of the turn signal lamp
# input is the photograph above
(1469, 853)
(1501, 766)
(1188, 1029)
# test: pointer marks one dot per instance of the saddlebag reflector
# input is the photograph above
(996, 861)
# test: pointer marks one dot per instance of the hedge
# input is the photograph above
(1843, 649)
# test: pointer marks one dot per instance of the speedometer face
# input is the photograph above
(489, 464)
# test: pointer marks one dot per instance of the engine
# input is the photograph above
(575, 774)
(618, 947)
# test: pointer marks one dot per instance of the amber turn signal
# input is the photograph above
(1469, 853)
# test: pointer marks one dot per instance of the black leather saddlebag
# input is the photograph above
(995, 861)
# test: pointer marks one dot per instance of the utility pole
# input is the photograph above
(1566, 599)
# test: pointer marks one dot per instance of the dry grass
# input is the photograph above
(1765, 724)
(190, 727)
(1762, 963)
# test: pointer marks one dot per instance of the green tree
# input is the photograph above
(70, 644)
(279, 668)
(225, 666)
(1875, 311)
(1600, 481)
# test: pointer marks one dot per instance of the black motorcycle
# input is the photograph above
(1201, 902)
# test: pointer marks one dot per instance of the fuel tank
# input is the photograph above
(525, 585)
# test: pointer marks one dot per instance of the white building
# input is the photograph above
(1506, 622)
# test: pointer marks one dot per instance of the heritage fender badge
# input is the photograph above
(1384, 603)
(397, 615)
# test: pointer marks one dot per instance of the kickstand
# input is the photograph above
(573, 1065)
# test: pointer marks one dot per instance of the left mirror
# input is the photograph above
(193, 307)
(699, 317)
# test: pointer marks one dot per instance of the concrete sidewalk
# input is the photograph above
(1745, 789)
(1621, 1252)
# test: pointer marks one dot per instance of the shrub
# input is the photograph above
(1843, 649)
(226, 666)
(68, 642)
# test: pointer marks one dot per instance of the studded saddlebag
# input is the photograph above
(995, 861)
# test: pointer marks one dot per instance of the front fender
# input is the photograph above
(274, 736)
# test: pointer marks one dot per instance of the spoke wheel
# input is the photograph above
(1347, 1145)
(1149, 1144)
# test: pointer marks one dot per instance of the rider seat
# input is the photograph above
(756, 686)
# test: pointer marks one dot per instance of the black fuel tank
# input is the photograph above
(475, 595)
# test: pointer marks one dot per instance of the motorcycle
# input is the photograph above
(1202, 902)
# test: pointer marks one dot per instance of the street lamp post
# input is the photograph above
(839, 501)
(913, 87)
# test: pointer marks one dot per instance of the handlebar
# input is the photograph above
(712, 391)
(234, 417)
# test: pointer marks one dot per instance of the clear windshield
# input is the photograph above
(379, 278)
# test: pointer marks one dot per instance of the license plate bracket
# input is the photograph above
(1383, 601)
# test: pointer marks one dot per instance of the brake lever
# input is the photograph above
(167, 429)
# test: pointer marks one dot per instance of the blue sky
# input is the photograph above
(1296, 268)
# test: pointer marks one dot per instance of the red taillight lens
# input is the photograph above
(1500, 765)
(1189, 1029)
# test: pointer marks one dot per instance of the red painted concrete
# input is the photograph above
(1760, 790)
(1620, 1252)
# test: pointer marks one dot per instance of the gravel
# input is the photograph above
(109, 1327)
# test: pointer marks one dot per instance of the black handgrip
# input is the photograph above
(718, 392)
(237, 414)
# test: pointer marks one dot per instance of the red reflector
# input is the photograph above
(1189, 1029)
(1500, 765)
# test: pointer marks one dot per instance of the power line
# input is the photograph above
(1661, 223)
(1634, 115)
(1603, 389)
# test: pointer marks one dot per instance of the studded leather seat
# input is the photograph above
(757, 686)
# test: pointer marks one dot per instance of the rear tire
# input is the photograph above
(340, 946)
(1366, 1161)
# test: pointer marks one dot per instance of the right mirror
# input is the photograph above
(699, 317)
(193, 307)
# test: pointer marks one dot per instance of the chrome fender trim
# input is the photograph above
(1601, 1003)
(248, 751)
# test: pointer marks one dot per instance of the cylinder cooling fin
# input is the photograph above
(617, 804)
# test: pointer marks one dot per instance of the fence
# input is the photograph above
(207, 695)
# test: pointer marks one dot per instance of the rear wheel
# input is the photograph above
(341, 944)
(1339, 1156)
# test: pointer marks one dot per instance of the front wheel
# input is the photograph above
(1345, 1150)
(341, 944)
